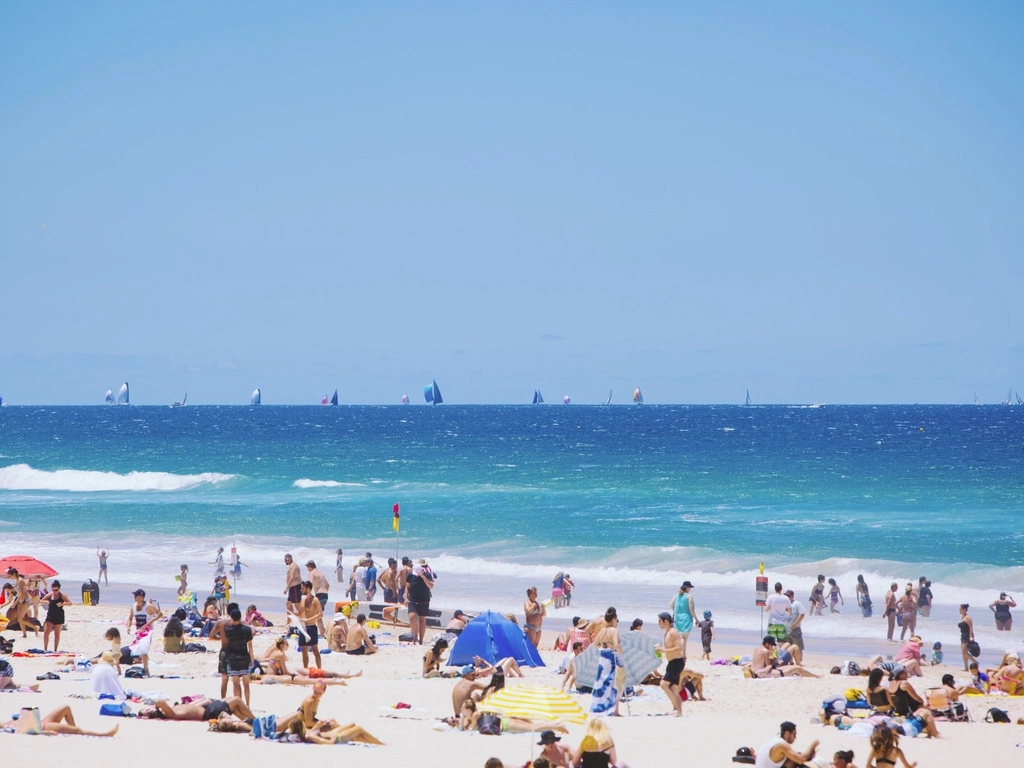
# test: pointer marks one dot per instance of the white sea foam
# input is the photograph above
(22, 477)
(305, 482)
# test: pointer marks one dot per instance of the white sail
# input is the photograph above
(1009, 398)
(256, 398)
(747, 401)
(182, 402)
(976, 400)
(109, 397)
(122, 394)
(638, 396)
(609, 400)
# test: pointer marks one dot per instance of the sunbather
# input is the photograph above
(197, 711)
(62, 721)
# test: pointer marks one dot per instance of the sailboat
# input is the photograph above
(109, 397)
(609, 400)
(334, 398)
(747, 401)
(538, 398)
(565, 400)
(1017, 394)
(432, 394)
(638, 396)
(122, 394)
(405, 399)
(1009, 398)
(256, 398)
(976, 400)
(182, 403)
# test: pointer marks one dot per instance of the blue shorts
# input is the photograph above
(912, 726)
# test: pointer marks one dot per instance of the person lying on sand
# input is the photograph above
(469, 720)
(764, 665)
(275, 666)
(62, 721)
(197, 711)
(339, 734)
(7, 678)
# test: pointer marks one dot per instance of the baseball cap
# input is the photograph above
(458, 613)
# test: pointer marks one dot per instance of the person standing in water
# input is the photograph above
(218, 563)
(863, 597)
(102, 555)
(183, 580)
(684, 613)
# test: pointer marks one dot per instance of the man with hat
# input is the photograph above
(794, 632)
(557, 755)
(457, 624)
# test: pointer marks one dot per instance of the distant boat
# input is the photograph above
(538, 398)
(109, 397)
(182, 403)
(432, 394)
(816, 405)
(609, 400)
(747, 401)
(565, 400)
(1009, 398)
(1017, 395)
(405, 399)
(1, 402)
(976, 400)
(256, 398)
(638, 396)
(122, 394)
(334, 398)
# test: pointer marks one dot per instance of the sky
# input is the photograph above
(815, 202)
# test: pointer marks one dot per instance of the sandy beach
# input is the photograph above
(740, 712)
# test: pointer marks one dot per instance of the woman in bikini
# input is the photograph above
(835, 596)
(966, 627)
(275, 666)
(432, 659)
(885, 749)
(597, 750)
(339, 734)
(469, 720)
(1001, 609)
(535, 613)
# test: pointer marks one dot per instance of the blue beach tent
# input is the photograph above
(492, 637)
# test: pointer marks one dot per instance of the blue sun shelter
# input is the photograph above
(492, 637)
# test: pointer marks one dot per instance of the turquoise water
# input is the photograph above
(624, 495)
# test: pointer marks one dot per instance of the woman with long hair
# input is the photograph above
(597, 750)
(885, 749)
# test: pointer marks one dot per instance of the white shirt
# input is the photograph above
(778, 610)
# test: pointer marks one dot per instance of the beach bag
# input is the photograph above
(134, 672)
(265, 727)
(852, 668)
(973, 649)
(994, 716)
(115, 710)
(29, 722)
(899, 619)
(490, 725)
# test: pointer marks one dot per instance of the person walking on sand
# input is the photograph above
(672, 649)
(907, 610)
(292, 585)
(891, 610)
(419, 583)
(534, 616)
(18, 610)
(795, 620)
(239, 652)
(966, 627)
(684, 613)
(309, 615)
(217, 633)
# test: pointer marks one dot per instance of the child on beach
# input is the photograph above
(183, 580)
(937, 654)
(707, 634)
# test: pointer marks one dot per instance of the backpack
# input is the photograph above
(997, 716)
(973, 649)
(134, 672)
(489, 725)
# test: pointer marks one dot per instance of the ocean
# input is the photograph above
(630, 500)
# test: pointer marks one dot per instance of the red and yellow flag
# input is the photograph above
(394, 523)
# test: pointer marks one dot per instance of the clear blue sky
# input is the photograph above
(812, 201)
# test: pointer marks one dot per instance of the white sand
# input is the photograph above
(740, 713)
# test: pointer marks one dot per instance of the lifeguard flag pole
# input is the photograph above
(394, 524)
(761, 593)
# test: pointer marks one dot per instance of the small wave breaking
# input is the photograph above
(305, 482)
(22, 477)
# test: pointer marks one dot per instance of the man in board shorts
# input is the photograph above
(779, 608)
(672, 650)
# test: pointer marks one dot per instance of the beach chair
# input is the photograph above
(942, 706)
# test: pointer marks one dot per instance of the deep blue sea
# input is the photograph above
(628, 499)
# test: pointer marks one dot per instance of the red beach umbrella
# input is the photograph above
(27, 566)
